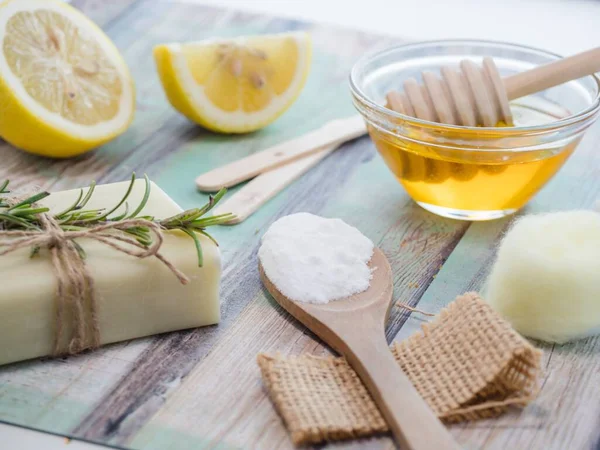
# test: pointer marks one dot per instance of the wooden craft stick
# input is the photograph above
(264, 187)
(335, 132)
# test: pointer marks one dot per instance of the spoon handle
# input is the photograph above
(413, 423)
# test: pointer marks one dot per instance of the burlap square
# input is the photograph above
(468, 364)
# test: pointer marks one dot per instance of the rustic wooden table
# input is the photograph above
(202, 388)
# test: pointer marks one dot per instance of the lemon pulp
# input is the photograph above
(64, 86)
(235, 85)
(60, 69)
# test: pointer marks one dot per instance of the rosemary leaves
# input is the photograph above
(16, 214)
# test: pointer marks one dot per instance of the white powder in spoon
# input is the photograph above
(315, 260)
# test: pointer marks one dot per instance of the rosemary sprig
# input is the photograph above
(22, 214)
(193, 222)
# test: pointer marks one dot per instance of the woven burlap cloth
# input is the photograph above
(468, 364)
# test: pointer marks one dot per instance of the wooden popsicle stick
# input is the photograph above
(264, 187)
(335, 132)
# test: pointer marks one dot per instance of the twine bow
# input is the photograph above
(75, 288)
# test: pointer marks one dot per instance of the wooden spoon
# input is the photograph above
(354, 327)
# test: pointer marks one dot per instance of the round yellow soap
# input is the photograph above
(546, 278)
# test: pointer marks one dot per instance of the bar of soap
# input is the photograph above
(136, 297)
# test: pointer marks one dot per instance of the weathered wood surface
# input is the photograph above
(201, 388)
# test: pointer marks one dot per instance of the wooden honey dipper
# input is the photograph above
(477, 95)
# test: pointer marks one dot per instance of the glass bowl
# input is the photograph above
(472, 173)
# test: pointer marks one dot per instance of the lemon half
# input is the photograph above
(64, 87)
(235, 85)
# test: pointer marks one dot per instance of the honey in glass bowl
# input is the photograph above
(500, 186)
(472, 173)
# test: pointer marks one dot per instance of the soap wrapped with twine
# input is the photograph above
(26, 224)
(468, 364)
(75, 287)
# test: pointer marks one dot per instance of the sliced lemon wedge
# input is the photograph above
(235, 85)
(64, 87)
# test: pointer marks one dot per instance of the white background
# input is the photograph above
(560, 26)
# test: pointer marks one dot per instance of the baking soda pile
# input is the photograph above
(316, 260)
